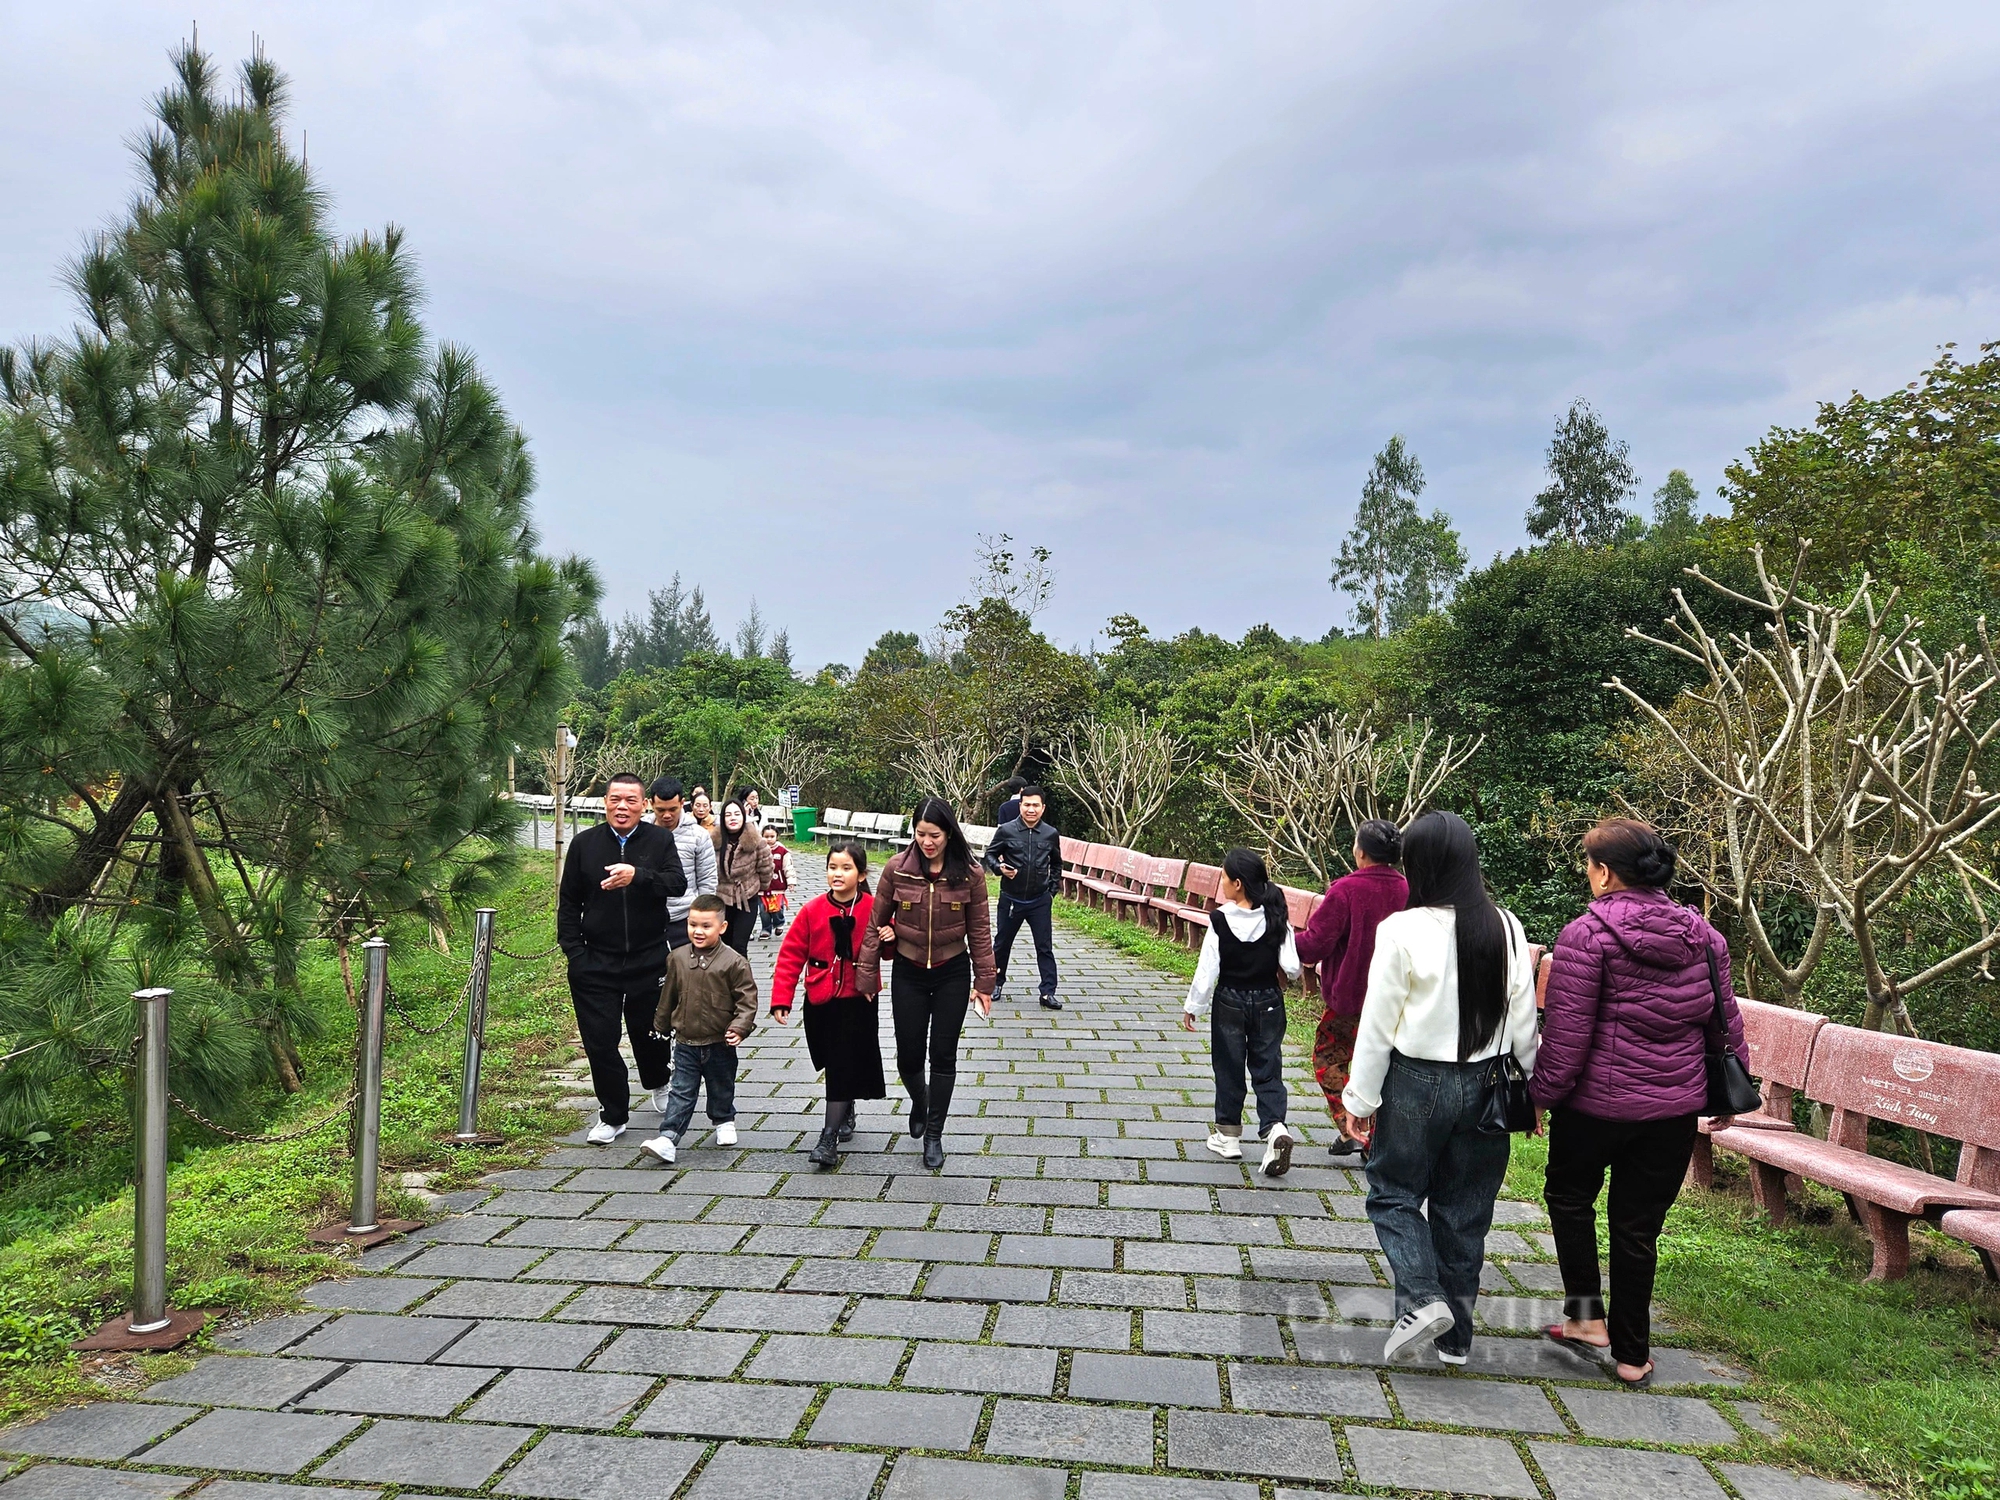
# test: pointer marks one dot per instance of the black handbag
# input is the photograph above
(1731, 1090)
(1509, 1109)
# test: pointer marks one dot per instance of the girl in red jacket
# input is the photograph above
(841, 1028)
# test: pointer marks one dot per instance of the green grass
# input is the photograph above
(1895, 1386)
(239, 1214)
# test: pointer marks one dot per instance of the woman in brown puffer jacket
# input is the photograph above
(930, 912)
(742, 870)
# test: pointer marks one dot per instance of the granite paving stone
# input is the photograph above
(1212, 1333)
(713, 1239)
(1124, 1223)
(775, 1312)
(1071, 1434)
(491, 1299)
(1044, 1192)
(1332, 1234)
(487, 1262)
(884, 1278)
(273, 1489)
(924, 1188)
(378, 1294)
(538, 1346)
(917, 1320)
(1223, 1229)
(1343, 1393)
(534, 1205)
(1064, 1327)
(1435, 1461)
(743, 1272)
(1314, 1265)
(651, 1206)
(601, 1180)
(794, 1240)
(560, 1398)
(878, 1215)
(269, 1335)
(710, 1408)
(1149, 1379)
(1577, 1473)
(1757, 1482)
(77, 1482)
(648, 1351)
(916, 1477)
(1475, 1403)
(824, 1360)
(538, 1179)
(741, 1473)
(571, 1466)
(897, 1419)
(728, 1184)
(989, 1283)
(601, 1266)
(1282, 1447)
(1365, 1304)
(399, 1390)
(1297, 1299)
(254, 1442)
(1000, 1218)
(1686, 1421)
(453, 1455)
(1174, 1256)
(108, 1430)
(244, 1380)
(981, 1367)
(1055, 1250)
(1118, 1289)
(1100, 1485)
(930, 1244)
(629, 1305)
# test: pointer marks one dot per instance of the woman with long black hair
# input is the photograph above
(1450, 987)
(930, 915)
(742, 870)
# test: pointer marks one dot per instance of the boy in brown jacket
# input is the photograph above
(708, 1004)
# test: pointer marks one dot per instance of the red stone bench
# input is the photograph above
(1100, 862)
(1126, 893)
(1073, 851)
(1187, 915)
(1781, 1047)
(1979, 1228)
(1951, 1092)
(1167, 877)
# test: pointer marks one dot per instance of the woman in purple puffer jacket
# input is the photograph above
(1623, 1071)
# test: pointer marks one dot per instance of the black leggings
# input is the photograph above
(929, 1010)
(742, 922)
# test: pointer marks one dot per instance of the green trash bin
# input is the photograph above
(803, 819)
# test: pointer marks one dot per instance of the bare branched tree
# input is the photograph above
(1848, 754)
(1122, 770)
(788, 760)
(953, 764)
(1306, 791)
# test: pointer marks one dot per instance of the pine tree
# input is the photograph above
(1590, 479)
(750, 633)
(272, 603)
(1398, 564)
(781, 649)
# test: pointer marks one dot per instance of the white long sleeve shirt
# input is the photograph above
(1247, 922)
(1412, 1001)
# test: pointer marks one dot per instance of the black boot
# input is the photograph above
(826, 1153)
(934, 1149)
(847, 1127)
(840, 1118)
(920, 1109)
(940, 1101)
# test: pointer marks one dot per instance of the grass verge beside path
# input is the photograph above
(1896, 1386)
(238, 1214)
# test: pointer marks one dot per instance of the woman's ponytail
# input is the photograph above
(1246, 867)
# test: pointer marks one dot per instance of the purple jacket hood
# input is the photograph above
(1630, 1010)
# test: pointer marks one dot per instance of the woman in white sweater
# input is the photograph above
(1450, 987)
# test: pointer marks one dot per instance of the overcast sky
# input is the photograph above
(801, 298)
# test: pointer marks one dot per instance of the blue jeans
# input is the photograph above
(714, 1065)
(1247, 1029)
(1427, 1146)
(1036, 914)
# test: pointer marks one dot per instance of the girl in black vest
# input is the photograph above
(1249, 942)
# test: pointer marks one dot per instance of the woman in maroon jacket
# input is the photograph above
(824, 945)
(1340, 938)
(1632, 1001)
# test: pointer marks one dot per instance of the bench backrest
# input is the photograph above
(1073, 851)
(978, 835)
(1781, 1041)
(1203, 881)
(1298, 906)
(1167, 875)
(836, 817)
(1099, 859)
(1944, 1091)
(1133, 869)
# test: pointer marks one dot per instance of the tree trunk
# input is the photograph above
(93, 853)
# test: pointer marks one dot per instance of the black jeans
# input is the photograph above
(1647, 1160)
(714, 1065)
(1036, 914)
(929, 1010)
(1427, 1146)
(1246, 1028)
(742, 922)
(600, 1013)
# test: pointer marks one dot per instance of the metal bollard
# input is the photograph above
(368, 1088)
(149, 1219)
(475, 1029)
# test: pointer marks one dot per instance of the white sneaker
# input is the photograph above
(1225, 1146)
(1446, 1357)
(725, 1133)
(1277, 1152)
(602, 1134)
(661, 1147)
(1416, 1331)
(660, 1097)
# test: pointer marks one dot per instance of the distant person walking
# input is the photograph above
(777, 891)
(1026, 854)
(1249, 943)
(743, 869)
(1010, 800)
(1450, 987)
(842, 1032)
(697, 854)
(1639, 993)
(1340, 938)
(930, 917)
(611, 922)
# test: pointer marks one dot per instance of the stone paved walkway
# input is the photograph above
(1084, 1305)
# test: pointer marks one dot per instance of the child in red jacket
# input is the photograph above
(775, 892)
(841, 1023)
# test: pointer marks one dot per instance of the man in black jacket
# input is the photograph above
(611, 919)
(1027, 856)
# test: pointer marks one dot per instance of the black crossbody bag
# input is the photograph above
(1731, 1090)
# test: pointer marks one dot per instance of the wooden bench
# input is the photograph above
(1870, 1075)
(1781, 1046)
(1189, 917)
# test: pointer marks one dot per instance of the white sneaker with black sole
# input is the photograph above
(602, 1134)
(1417, 1330)
(660, 1148)
(1277, 1152)
(725, 1133)
(1225, 1146)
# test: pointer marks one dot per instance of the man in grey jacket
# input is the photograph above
(697, 851)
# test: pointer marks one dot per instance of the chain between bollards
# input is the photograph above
(475, 1025)
(368, 1088)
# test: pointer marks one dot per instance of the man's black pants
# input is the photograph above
(1647, 1160)
(1035, 914)
(601, 1012)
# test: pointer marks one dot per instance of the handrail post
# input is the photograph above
(475, 1026)
(368, 1088)
(149, 1218)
